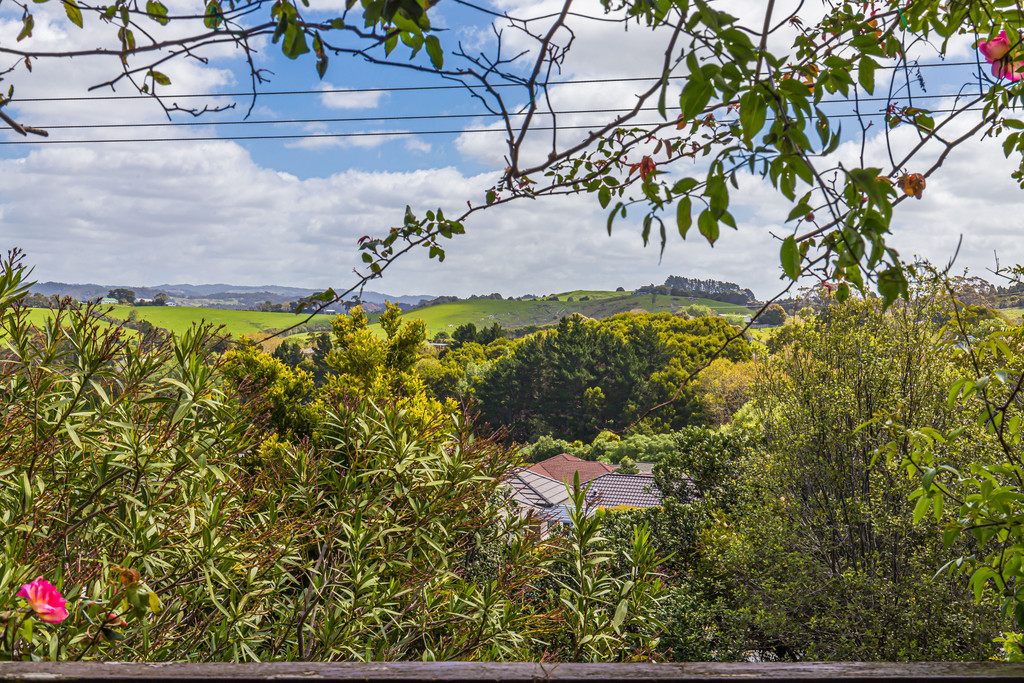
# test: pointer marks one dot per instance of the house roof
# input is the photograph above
(534, 490)
(634, 490)
(563, 467)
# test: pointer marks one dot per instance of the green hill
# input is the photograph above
(515, 314)
(180, 318)
(442, 317)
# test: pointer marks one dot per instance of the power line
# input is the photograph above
(396, 133)
(416, 117)
(410, 88)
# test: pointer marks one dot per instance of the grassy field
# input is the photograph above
(180, 318)
(1014, 315)
(514, 314)
(443, 317)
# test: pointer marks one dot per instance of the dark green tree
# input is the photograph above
(463, 334)
(123, 296)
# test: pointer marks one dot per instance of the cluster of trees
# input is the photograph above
(715, 290)
(191, 505)
(582, 376)
(250, 501)
(795, 538)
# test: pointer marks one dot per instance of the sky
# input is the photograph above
(290, 211)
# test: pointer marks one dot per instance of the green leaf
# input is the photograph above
(683, 218)
(604, 196)
(157, 12)
(620, 614)
(892, 283)
(160, 78)
(753, 112)
(611, 216)
(790, 256)
(684, 185)
(214, 15)
(73, 12)
(435, 52)
(864, 178)
(921, 509)
(708, 226)
(866, 73)
(294, 43)
(27, 25)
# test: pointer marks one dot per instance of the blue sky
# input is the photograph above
(290, 211)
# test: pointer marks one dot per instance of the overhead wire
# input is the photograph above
(408, 88)
(388, 133)
(412, 117)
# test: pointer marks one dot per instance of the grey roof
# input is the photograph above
(535, 490)
(613, 490)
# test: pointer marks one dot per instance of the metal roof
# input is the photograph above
(537, 491)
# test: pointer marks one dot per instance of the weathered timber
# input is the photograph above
(472, 672)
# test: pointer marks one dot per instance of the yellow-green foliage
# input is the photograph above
(381, 369)
(127, 480)
(277, 393)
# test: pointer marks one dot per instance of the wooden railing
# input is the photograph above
(471, 672)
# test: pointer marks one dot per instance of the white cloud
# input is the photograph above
(343, 98)
(417, 145)
(210, 212)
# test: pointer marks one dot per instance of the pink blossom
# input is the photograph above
(45, 600)
(995, 49)
(1007, 69)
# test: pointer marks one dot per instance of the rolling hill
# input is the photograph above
(511, 314)
(516, 314)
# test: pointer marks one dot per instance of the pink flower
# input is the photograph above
(45, 600)
(996, 49)
(1007, 69)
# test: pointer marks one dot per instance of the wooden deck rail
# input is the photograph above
(471, 672)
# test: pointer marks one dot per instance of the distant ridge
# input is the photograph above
(273, 293)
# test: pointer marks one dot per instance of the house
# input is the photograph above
(542, 489)
(108, 301)
(564, 467)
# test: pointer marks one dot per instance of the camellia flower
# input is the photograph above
(45, 600)
(997, 53)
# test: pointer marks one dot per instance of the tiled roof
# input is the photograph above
(634, 490)
(563, 467)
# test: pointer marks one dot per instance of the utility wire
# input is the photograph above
(411, 88)
(416, 117)
(396, 133)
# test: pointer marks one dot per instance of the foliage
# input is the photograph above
(608, 614)
(723, 388)
(277, 396)
(120, 485)
(571, 382)
(823, 558)
(976, 501)
(773, 315)
(128, 482)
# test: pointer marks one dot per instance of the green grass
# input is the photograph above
(1012, 314)
(179, 318)
(443, 317)
(592, 293)
(515, 314)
